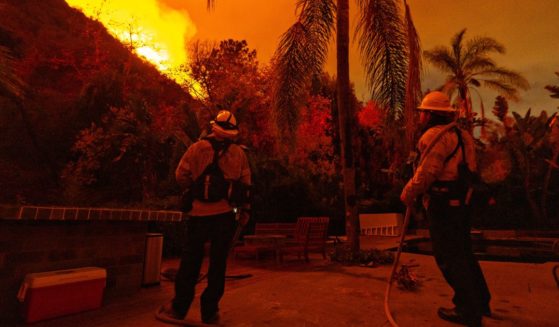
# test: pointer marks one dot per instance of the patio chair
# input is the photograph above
(310, 236)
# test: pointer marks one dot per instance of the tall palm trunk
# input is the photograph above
(346, 117)
(483, 129)
(467, 106)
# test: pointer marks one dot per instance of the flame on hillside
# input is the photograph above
(157, 33)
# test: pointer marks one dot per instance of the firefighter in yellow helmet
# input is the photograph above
(212, 170)
(440, 182)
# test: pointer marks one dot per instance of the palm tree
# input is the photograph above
(383, 39)
(469, 66)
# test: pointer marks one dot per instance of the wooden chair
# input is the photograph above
(310, 236)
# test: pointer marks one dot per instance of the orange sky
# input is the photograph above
(529, 29)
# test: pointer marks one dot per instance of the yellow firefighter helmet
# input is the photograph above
(225, 125)
(436, 101)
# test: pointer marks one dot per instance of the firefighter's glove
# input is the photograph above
(407, 198)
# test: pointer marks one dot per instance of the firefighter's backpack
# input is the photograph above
(480, 192)
(466, 177)
(211, 185)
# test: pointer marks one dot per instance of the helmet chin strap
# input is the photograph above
(424, 118)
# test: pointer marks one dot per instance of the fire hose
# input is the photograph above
(387, 312)
(555, 269)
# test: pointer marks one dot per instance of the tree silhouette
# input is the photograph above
(501, 108)
(468, 65)
(554, 89)
(526, 140)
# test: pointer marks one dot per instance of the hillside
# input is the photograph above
(73, 73)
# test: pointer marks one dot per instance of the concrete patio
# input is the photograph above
(322, 293)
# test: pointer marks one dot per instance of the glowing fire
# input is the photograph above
(157, 33)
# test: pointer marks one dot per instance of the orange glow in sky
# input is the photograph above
(527, 28)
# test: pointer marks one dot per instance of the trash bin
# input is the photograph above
(152, 260)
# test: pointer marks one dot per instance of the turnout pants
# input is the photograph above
(452, 247)
(219, 230)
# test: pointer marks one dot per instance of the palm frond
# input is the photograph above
(477, 64)
(383, 50)
(10, 82)
(506, 76)
(480, 47)
(292, 74)
(441, 58)
(554, 89)
(457, 46)
(507, 90)
(317, 16)
(301, 53)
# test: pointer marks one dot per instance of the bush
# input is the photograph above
(342, 254)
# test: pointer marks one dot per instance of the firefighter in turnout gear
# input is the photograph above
(215, 159)
(439, 180)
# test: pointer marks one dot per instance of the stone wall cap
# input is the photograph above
(55, 213)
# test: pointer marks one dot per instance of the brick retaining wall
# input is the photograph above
(29, 246)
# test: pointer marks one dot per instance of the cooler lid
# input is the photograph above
(58, 277)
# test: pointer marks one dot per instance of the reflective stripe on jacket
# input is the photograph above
(233, 163)
(433, 167)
